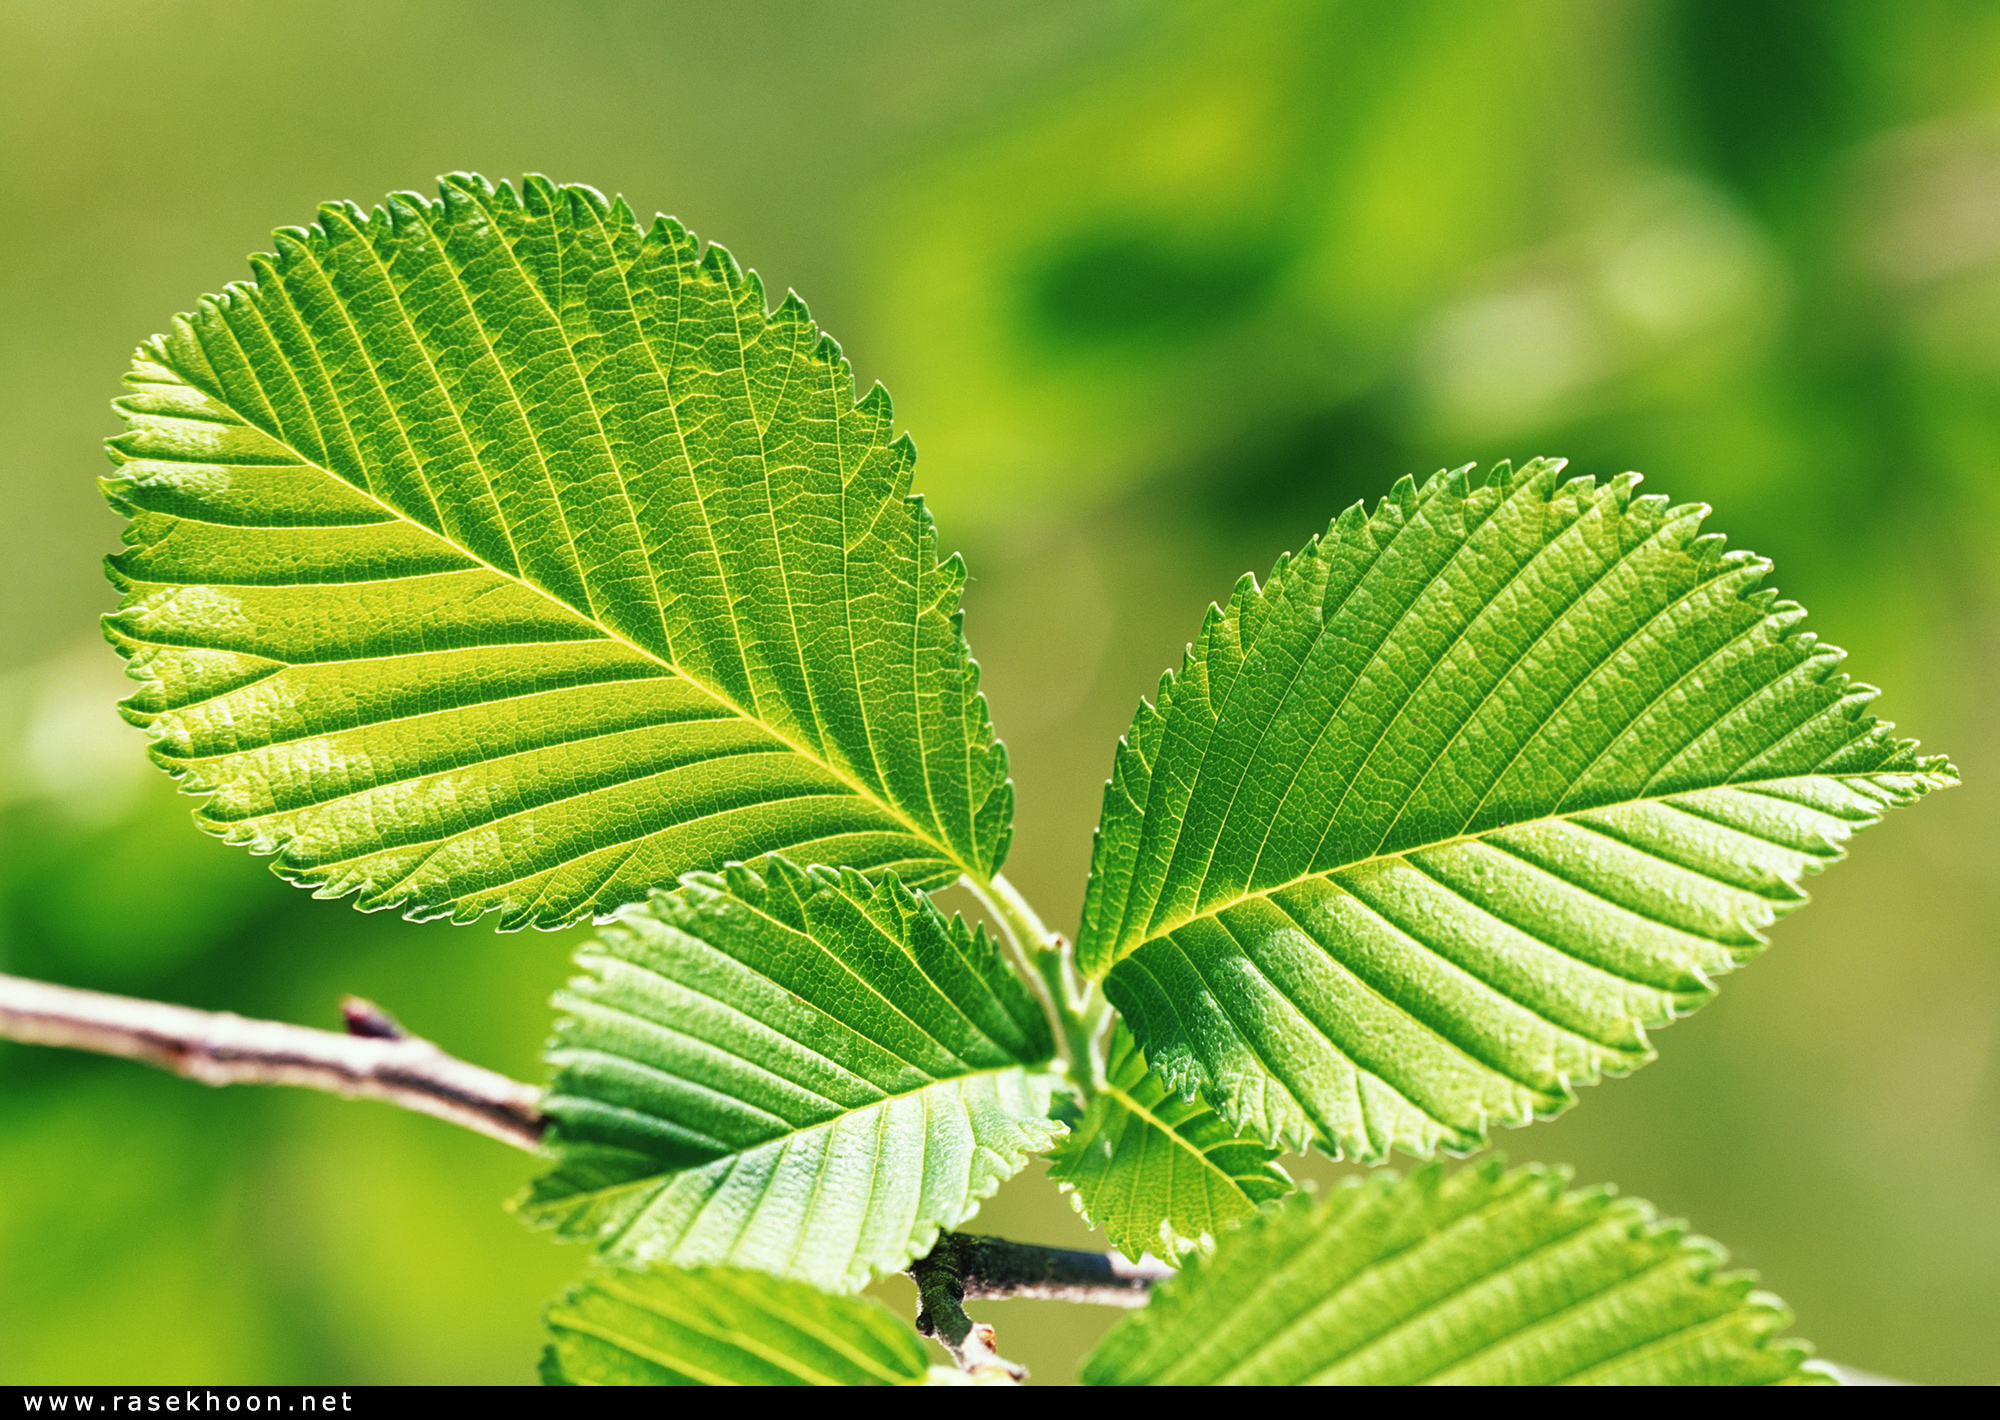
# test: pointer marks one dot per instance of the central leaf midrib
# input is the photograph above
(609, 633)
(1160, 932)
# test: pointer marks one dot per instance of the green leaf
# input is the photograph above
(1483, 1277)
(1433, 825)
(1158, 1173)
(490, 554)
(724, 1326)
(800, 1072)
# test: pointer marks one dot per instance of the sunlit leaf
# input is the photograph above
(724, 1326)
(489, 553)
(1435, 823)
(798, 1072)
(1158, 1173)
(1482, 1277)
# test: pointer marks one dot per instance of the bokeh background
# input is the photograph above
(1159, 288)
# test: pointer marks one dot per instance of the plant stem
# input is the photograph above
(996, 1268)
(964, 1266)
(1005, 902)
(375, 1061)
(1045, 957)
(1079, 1017)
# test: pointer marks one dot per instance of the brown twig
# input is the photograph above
(964, 1266)
(376, 1060)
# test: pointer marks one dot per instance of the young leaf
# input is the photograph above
(724, 1326)
(1158, 1173)
(1436, 822)
(1484, 1277)
(490, 554)
(799, 1072)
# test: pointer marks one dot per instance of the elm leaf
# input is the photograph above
(1434, 824)
(1159, 1173)
(490, 553)
(717, 1326)
(1481, 1277)
(797, 1071)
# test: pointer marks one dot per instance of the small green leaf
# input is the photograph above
(799, 1072)
(1434, 824)
(724, 1326)
(1158, 1173)
(1482, 1277)
(491, 554)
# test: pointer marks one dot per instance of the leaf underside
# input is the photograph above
(1158, 1173)
(1435, 823)
(799, 1072)
(489, 554)
(724, 1326)
(1482, 1277)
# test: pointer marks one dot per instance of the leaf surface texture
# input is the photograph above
(1482, 1277)
(1158, 1173)
(488, 553)
(724, 1326)
(799, 1072)
(1436, 822)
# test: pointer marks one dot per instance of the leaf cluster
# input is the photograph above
(493, 553)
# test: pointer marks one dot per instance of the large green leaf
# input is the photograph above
(1158, 1173)
(798, 1072)
(489, 553)
(1481, 1278)
(724, 1326)
(1436, 822)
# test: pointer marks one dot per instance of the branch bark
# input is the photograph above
(963, 1266)
(376, 1060)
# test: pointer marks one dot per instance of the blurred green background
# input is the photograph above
(1158, 289)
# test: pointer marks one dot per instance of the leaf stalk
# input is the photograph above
(1077, 1012)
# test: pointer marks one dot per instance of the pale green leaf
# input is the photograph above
(1158, 1173)
(724, 1326)
(799, 1072)
(1482, 1277)
(1434, 824)
(490, 554)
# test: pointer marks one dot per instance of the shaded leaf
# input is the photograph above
(490, 554)
(1482, 1277)
(1158, 1173)
(724, 1326)
(799, 1072)
(1434, 824)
